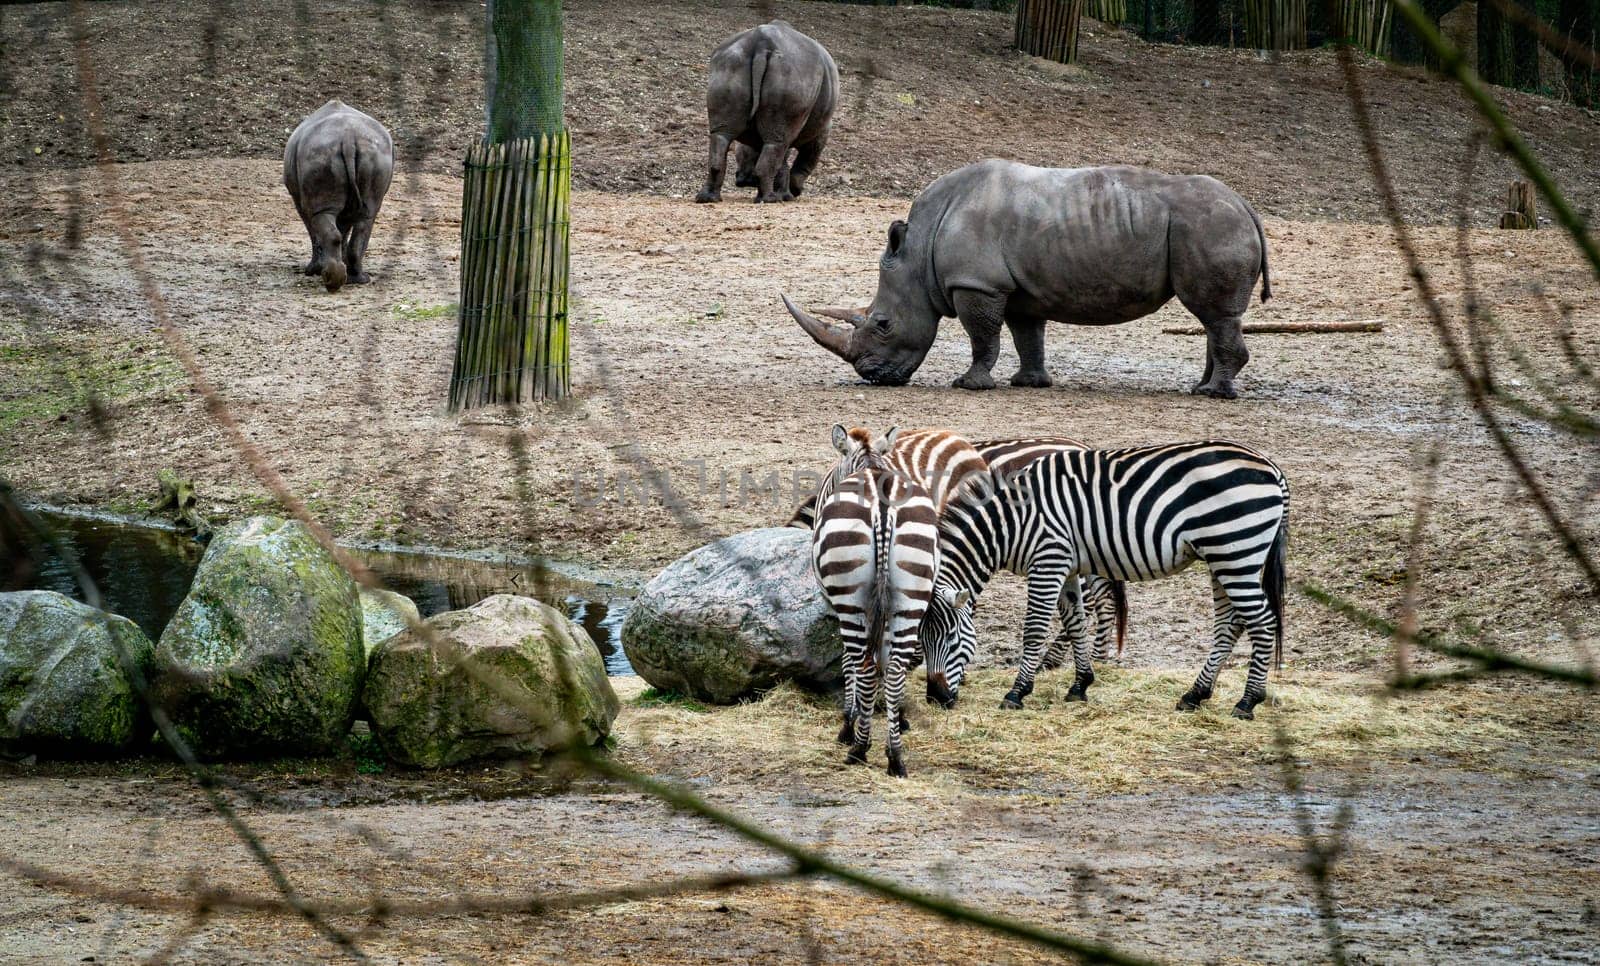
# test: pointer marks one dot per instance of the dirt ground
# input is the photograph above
(1482, 847)
(231, 78)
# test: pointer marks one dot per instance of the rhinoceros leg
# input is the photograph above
(744, 172)
(982, 316)
(716, 170)
(1028, 334)
(1225, 356)
(805, 162)
(325, 233)
(355, 253)
(770, 170)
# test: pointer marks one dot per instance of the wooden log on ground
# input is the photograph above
(1521, 208)
(1286, 328)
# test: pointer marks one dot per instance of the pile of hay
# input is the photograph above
(1126, 739)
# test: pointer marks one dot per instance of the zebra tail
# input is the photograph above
(1274, 581)
(1119, 601)
(879, 602)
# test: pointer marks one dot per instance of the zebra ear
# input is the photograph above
(961, 598)
(887, 443)
(841, 438)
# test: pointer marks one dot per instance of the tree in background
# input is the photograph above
(1275, 24)
(512, 338)
(1577, 20)
(1049, 28)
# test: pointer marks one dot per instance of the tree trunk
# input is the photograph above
(1521, 209)
(1206, 27)
(1365, 23)
(1577, 20)
(1275, 24)
(511, 345)
(1049, 28)
(1494, 45)
(1406, 47)
(1524, 51)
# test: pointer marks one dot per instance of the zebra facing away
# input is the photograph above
(923, 453)
(875, 550)
(1126, 514)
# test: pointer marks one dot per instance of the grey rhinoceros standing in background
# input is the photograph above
(337, 166)
(1004, 244)
(772, 88)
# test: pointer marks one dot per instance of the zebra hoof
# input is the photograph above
(1011, 702)
(1243, 712)
(847, 734)
(1188, 704)
(858, 755)
(897, 766)
(905, 723)
(1076, 695)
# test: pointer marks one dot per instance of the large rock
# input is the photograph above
(64, 686)
(427, 708)
(384, 614)
(736, 617)
(264, 656)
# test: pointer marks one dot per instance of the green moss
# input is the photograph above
(43, 380)
(425, 313)
(653, 697)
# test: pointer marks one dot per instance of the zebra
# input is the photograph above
(1106, 599)
(1129, 514)
(875, 551)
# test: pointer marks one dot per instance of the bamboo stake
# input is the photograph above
(1285, 328)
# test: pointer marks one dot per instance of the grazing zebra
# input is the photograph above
(875, 550)
(1125, 514)
(1106, 599)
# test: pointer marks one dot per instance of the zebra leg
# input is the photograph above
(1073, 624)
(1263, 626)
(1045, 586)
(894, 688)
(866, 701)
(1097, 597)
(1227, 625)
(1056, 656)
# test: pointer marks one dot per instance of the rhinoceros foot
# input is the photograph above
(1037, 379)
(1216, 390)
(974, 380)
(707, 197)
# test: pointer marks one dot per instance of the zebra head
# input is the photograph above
(858, 450)
(948, 642)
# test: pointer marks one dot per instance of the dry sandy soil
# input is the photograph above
(1482, 846)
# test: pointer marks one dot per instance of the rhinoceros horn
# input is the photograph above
(834, 338)
(854, 316)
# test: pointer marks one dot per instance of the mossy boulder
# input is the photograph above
(734, 618)
(384, 614)
(428, 710)
(264, 656)
(65, 677)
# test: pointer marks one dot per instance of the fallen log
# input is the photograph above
(1285, 328)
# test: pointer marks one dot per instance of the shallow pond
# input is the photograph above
(143, 573)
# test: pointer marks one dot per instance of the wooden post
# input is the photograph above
(1049, 28)
(1106, 11)
(1521, 208)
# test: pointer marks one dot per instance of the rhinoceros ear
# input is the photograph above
(841, 438)
(897, 236)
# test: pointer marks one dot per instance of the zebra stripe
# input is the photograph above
(1128, 514)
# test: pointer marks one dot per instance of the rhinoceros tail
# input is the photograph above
(1266, 277)
(351, 156)
(758, 74)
